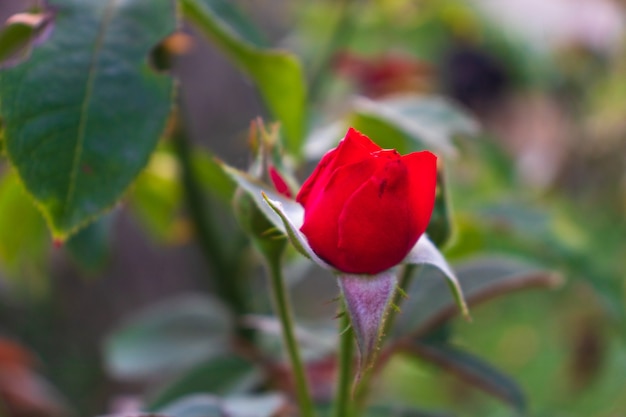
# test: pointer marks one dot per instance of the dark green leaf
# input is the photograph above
(397, 411)
(84, 113)
(232, 21)
(1, 138)
(170, 337)
(223, 375)
(430, 304)
(471, 370)
(277, 74)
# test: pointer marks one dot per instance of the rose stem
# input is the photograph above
(283, 308)
(341, 406)
(408, 273)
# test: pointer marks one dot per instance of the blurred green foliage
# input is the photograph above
(550, 353)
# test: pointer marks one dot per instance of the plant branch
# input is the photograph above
(283, 309)
(341, 407)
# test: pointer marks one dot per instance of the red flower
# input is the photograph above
(280, 185)
(366, 207)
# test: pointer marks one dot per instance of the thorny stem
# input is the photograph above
(283, 309)
(342, 405)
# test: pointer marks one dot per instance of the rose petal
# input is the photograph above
(320, 171)
(354, 148)
(373, 232)
(321, 216)
(279, 182)
(422, 167)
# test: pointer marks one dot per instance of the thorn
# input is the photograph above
(57, 243)
(340, 315)
(272, 231)
(345, 330)
(332, 300)
(403, 293)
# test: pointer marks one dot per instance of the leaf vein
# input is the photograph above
(82, 126)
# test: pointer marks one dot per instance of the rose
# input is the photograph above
(280, 184)
(365, 207)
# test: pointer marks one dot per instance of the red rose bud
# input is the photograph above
(279, 182)
(365, 207)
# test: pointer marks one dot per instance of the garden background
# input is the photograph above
(529, 98)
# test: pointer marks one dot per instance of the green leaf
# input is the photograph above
(406, 123)
(472, 370)
(397, 411)
(277, 74)
(222, 375)
(234, 22)
(429, 121)
(170, 337)
(431, 304)
(425, 252)
(84, 113)
(21, 246)
(387, 135)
